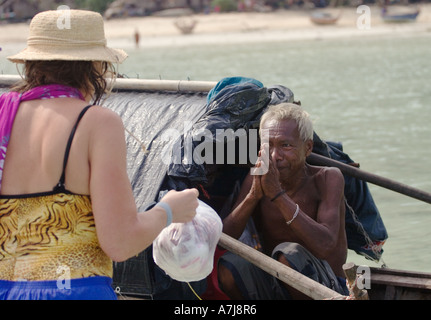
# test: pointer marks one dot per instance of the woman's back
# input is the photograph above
(45, 228)
(37, 146)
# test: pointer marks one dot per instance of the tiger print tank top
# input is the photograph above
(50, 235)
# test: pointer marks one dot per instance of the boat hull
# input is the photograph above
(323, 18)
(394, 18)
(390, 284)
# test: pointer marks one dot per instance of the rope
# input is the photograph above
(360, 227)
(144, 148)
(194, 291)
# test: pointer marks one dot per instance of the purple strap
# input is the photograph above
(9, 104)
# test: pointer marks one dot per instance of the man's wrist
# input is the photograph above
(279, 194)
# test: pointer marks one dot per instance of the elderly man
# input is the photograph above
(297, 208)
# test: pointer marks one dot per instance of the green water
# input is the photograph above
(373, 94)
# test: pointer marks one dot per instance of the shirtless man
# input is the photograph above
(297, 208)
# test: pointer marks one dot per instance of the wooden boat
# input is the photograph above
(399, 16)
(390, 284)
(385, 283)
(185, 26)
(324, 18)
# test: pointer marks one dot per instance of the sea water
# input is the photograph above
(373, 94)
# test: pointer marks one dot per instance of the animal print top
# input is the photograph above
(45, 237)
(50, 236)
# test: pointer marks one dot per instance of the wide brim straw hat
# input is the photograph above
(70, 35)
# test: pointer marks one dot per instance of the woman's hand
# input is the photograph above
(183, 204)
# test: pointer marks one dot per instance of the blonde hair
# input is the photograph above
(290, 111)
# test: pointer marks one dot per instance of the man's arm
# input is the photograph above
(248, 199)
(319, 236)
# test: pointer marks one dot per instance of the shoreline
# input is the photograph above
(240, 27)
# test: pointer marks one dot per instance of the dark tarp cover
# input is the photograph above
(234, 103)
(147, 116)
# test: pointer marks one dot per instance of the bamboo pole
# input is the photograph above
(369, 177)
(141, 84)
(293, 278)
(164, 85)
(8, 80)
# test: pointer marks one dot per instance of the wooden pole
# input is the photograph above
(293, 278)
(8, 80)
(369, 177)
(164, 85)
(350, 270)
(141, 84)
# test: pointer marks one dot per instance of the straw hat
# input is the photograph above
(73, 35)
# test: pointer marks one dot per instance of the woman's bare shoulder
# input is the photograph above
(104, 113)
(102, 118)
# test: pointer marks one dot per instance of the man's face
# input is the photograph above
(286, 149)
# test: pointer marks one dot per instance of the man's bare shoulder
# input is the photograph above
(325, 175)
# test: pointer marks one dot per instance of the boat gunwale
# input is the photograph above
(400, 278)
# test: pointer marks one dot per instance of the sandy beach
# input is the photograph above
(216, 28)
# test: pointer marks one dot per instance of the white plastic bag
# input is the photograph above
(185, 251)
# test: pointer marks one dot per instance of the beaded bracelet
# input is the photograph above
(168, 210)
(278, 195)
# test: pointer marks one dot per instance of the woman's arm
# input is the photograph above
(121, 230)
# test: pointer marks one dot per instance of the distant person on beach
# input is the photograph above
(298, 210)
(66, 203)
(137, 38)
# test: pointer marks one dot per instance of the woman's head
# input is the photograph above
(87, 76)
(73, 53)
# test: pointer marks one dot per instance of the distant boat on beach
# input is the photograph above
(399, 16)
(324, 18)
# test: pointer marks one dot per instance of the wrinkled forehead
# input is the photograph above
(281, 129)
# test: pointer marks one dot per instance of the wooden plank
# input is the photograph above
(293, 278)
(401, 278)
